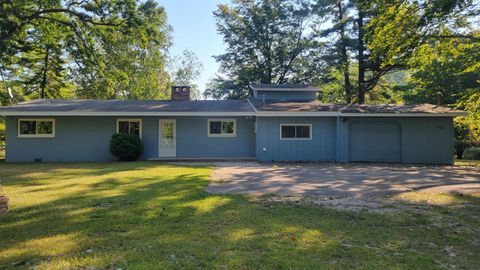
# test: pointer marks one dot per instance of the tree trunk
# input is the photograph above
(361, 60)
(44, 77)
(343, 51)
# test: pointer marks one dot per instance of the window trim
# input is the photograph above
(296, 139)
(36, 135)
(232, 135)
(131, 120)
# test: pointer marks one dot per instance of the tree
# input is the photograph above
(436, 40)
(185, 70)
(467, 128)
(268, 41)
(338, 45)
(94, 49)
(131, 59)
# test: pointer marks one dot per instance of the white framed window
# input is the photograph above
(36, 128)
(130, 126)
(222, 128)
(295, 131)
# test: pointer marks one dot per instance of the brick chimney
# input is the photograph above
(181, 92)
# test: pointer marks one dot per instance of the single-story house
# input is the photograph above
(279, 123)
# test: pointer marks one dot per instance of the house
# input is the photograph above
(280, 123)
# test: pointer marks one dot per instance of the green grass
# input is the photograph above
(153, 216)
(465, 162)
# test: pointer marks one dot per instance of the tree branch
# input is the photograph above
(453, 36)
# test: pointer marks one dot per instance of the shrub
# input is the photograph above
(126, 147)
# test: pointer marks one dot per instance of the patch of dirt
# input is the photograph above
(371, 204)
(343, 203)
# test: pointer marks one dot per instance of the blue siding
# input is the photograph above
(76, 139)
(285, 95)
(320, 148)
(375, 141)
(423, 140)
(193, 140)
(88, 138)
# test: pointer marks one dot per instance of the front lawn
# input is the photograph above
(154, 216)
(468, 163)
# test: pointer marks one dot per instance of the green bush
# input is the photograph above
(126, 147)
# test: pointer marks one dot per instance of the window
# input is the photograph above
(296, 132)
(36, 128)
(222, 128)
(130, 126)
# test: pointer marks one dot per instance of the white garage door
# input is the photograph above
(375, 142)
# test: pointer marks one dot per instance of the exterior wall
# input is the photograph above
(320, 148)
(88, 138)
(76, 139)
(285, 95)
(193, 140)
(423, 140)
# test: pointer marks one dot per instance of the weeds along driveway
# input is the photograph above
(341, 179)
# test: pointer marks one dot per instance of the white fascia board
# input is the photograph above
(452, 114)
(79, 113)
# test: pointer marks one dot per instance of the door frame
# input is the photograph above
(174, 121)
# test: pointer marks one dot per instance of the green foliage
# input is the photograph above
(461, 138)
(444, 67)
(89, 49)
(126, 147)
(184, 70)
(470, 102)
(268, 41)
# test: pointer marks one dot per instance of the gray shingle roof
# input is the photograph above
(283, 87)
(317, 106)
(214, 107)
(130, 106)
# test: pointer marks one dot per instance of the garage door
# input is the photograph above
(375, 141)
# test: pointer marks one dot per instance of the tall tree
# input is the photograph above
(268, 41)
(338, 42)
(108, 49)
(420, 36)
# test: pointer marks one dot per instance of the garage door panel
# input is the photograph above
(375, 142)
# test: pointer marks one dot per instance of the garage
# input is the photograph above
(375, 141)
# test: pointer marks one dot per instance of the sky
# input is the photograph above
(194, 29)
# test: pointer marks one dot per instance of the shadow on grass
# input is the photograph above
(159, 216)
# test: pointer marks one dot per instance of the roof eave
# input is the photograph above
(340, 114)
(121, 114)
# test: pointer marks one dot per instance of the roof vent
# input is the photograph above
(181, 92)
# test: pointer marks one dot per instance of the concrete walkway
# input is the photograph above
(341, 179)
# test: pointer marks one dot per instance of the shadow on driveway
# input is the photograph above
(341, 179)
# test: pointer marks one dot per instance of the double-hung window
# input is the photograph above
(222, 128)
(36, 128)
(130, 126)
(296, 132)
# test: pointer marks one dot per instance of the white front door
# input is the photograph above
(167, 141)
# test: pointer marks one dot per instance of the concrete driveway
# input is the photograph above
(341, 179)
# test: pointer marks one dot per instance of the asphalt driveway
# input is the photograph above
(341, 179)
